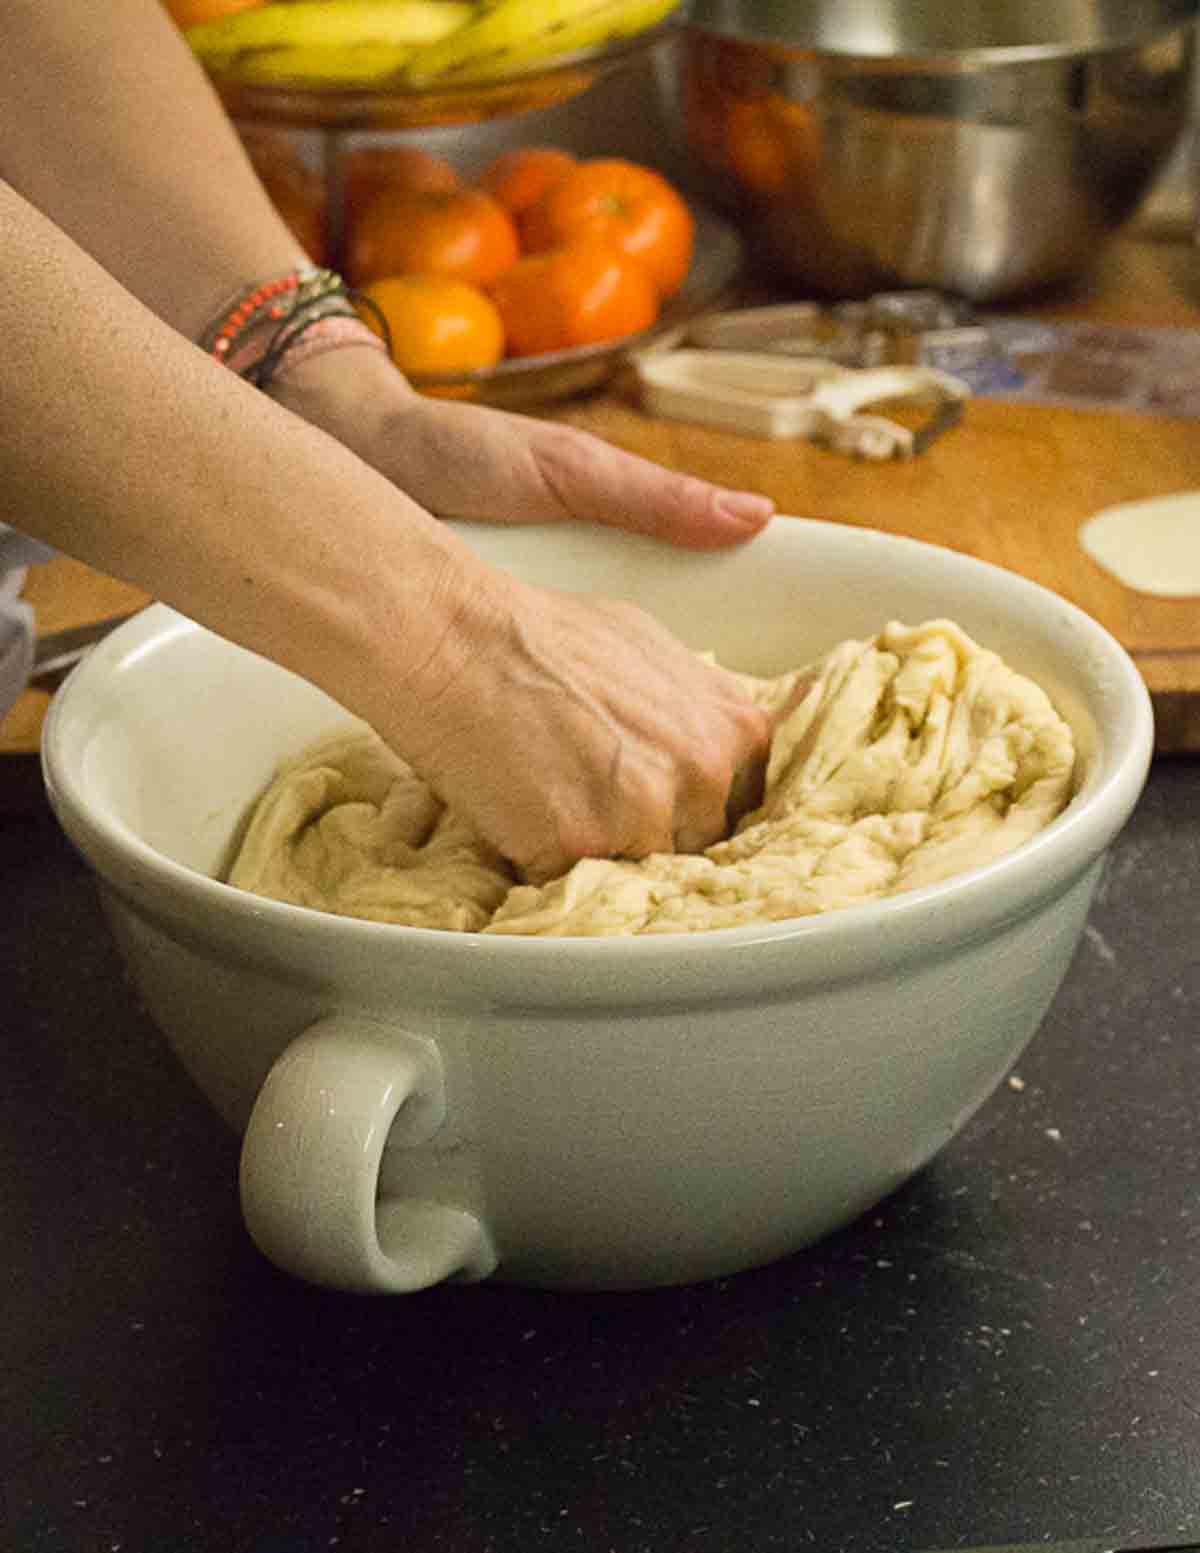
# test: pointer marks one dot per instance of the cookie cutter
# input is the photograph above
(774, 396)
(889, 328)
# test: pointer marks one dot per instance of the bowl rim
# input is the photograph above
(966, 905)
(1117, 28)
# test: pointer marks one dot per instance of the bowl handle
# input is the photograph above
(311, 1157)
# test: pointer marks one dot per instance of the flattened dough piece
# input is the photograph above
(1151, 546)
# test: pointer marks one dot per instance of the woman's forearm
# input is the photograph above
(108, 125)
(125, 446)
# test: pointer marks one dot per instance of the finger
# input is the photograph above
(746, 790)
(591, 479)
(644, 806)
(475, 461)
(700, 820)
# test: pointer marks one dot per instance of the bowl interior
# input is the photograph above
(166, 734)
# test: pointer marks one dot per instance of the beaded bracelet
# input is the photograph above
(254, 331)
(247, 311)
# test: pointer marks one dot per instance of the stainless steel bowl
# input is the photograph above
(983, 147)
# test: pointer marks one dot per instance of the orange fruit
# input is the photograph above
(519, 177)
(188, 13)
(368, 171)
(296, 189)
(438, 324)
(771, 142)
(581, 294)
(630, 206)
(459, 232)
(756, 146)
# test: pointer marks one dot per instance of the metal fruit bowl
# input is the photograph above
(985, 148)
(521, 382)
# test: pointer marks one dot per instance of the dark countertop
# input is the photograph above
(1006, 1350)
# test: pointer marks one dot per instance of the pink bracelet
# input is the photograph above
(333, 332)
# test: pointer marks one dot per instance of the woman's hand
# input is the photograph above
(562, 725)
(468, 461)
(567, 726)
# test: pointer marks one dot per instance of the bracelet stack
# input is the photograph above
(291, 317)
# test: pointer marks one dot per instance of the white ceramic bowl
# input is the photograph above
(584, 1112)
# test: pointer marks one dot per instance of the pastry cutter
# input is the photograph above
(772, 396)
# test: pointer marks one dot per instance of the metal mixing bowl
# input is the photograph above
(983, 147)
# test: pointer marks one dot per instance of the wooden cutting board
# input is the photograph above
(1012, 484)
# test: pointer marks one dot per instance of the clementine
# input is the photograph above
(631, 206)
(520, 176)
(296, 189)
(188, 13)
(438, 324)
(771, 143)
(459, 232)
(368, 171)
(584, 293)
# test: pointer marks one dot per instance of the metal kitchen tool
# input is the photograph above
(56, 651)
(887, 328)
(774, 396)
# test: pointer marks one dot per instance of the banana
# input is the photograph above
(512, 37)
(346, 64)
(357, 41)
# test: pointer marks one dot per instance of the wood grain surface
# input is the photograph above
(1011, 484)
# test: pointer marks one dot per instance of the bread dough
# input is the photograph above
(1152, 546)
(895, 762)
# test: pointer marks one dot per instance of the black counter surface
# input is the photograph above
(1008, 1349)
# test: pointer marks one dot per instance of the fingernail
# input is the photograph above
(745, 507)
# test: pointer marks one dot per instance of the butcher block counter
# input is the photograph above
(1011, 484)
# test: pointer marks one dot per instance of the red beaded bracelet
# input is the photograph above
(270, 302)
(253, 333)
(248, 309)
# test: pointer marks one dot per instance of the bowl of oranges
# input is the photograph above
(533, 279)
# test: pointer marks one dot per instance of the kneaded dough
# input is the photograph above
(895, 762)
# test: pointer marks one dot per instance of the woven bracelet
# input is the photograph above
(332, 332)
(264, 322)
(321, 324)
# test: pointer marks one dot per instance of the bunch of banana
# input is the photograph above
(360, 43)
(416, 44)
(509, 38)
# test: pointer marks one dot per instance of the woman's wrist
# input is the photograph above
(353, 393)
(430, 616)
